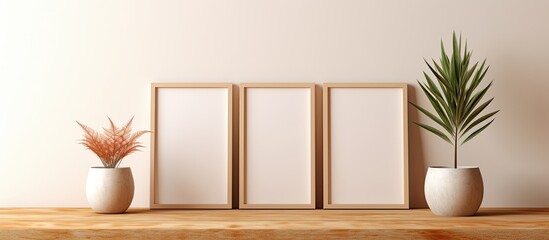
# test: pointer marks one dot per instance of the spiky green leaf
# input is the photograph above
(435, 131)
(475, 133)
(475, 113)
(439, 105)
(434, 118)
(478, 121)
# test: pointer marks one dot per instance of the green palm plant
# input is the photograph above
(456, 97)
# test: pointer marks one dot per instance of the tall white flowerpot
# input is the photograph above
(110, 190)
(454, 191)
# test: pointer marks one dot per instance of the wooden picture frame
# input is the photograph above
(191, 139)
(277, 146)
(365, 137)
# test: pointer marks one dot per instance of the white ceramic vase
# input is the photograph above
(454, 191)
(110, 190)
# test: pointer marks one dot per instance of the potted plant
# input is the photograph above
(110, 189)
(456, 95)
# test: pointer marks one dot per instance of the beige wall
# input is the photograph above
(62, 61)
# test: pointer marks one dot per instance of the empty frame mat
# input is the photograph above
(277, 145)
(365, 139)
(191, 157)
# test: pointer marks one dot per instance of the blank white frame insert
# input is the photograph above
(365, 146)
(277, 146)
(191, 156)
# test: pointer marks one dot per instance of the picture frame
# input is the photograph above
(365, 138)
(277, 146)
(192, 145)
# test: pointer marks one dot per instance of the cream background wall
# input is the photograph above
(62, 61)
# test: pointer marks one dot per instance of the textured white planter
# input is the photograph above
(110, 190)
(454, 191)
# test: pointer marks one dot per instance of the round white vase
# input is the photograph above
(454, 191)
(109, 190)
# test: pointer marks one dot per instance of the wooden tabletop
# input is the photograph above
(272, 224)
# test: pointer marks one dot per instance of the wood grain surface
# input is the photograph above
(271, 224)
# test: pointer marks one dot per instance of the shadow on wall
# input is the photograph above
(319, 188)
(416, 160)
(521, 131)
(236, 145)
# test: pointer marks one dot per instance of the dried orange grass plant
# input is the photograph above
(114, 144)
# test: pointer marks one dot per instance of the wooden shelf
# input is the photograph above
(269, 224)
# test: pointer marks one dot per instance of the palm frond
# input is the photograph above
(453, 92)
(475, 133)
(435, 131)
